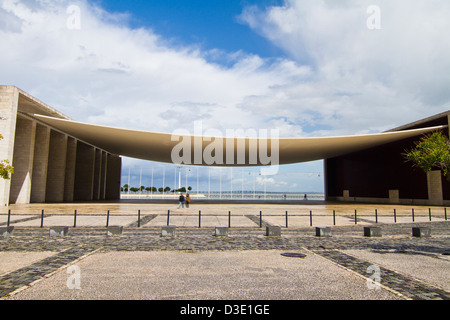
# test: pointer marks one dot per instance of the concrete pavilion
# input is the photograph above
(57, 159)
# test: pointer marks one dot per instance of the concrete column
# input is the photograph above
(394, 196)
(434, 181)
(113, 175)
(97, 173)
(56, 172)
(103, 175)
(346, 195)
(84, 172)
(23, 161)
(448, 124)
(40, 164)
(71, 159)
(9, 99)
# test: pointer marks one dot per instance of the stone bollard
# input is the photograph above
(59, 231)
(273, 231)
(421, 232)
(6, 232)
(221, 231)
(114, 231)
(168, 231)
(372, 231)
(323, 231)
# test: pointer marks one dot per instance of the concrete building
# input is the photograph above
(57, 159)
(380, 174)
(50, 165)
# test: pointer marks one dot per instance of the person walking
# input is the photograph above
(188, 200)
(182, 201)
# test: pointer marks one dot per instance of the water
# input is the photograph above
(227, 195)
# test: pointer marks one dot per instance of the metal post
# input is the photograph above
(429, 213)
(9, 217)
(139, 219)
(42, 218)
(229, 219)
(334, 217)
(75, 218)
(168, 216)
(199, 218)
(356, 219)
(376, 215)
(286, 219)
(395, 216)
(310, 218)
(413, 214)
(107, 219)
(445, 214)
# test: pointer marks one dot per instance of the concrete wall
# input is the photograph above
(69, 181)
(23, 161)
(40, 163)
(84, 173)
(56, 173)
(49, 165)
(9, 97)
(113, 175)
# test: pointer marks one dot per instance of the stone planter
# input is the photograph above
(434, 183)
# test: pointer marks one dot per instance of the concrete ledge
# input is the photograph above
(114, 230)
(168, 231)
(323, 231)
(6, 231)
(421, 232)
(221, 231)
(372, 231)
(59, 231)
(273, 231)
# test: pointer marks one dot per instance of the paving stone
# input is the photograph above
(81, 241)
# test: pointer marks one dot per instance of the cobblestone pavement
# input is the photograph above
(406, 285)
(83, 241)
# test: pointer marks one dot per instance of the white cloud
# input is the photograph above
(363, 80)
(341, 77)
(107, 73)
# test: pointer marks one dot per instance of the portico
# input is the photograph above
(57, 159)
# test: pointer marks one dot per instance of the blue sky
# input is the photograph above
(304, 67)
(210, 25)
(213, 24)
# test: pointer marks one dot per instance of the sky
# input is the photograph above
(304, 67)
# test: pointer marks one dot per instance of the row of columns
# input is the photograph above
(51, 166)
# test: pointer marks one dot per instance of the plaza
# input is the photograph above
(67, 234)
(298, 128)
(141, 264)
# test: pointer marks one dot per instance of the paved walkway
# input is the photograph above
(246, 264)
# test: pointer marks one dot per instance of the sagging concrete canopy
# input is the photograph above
(164, 147)
(57, 159)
